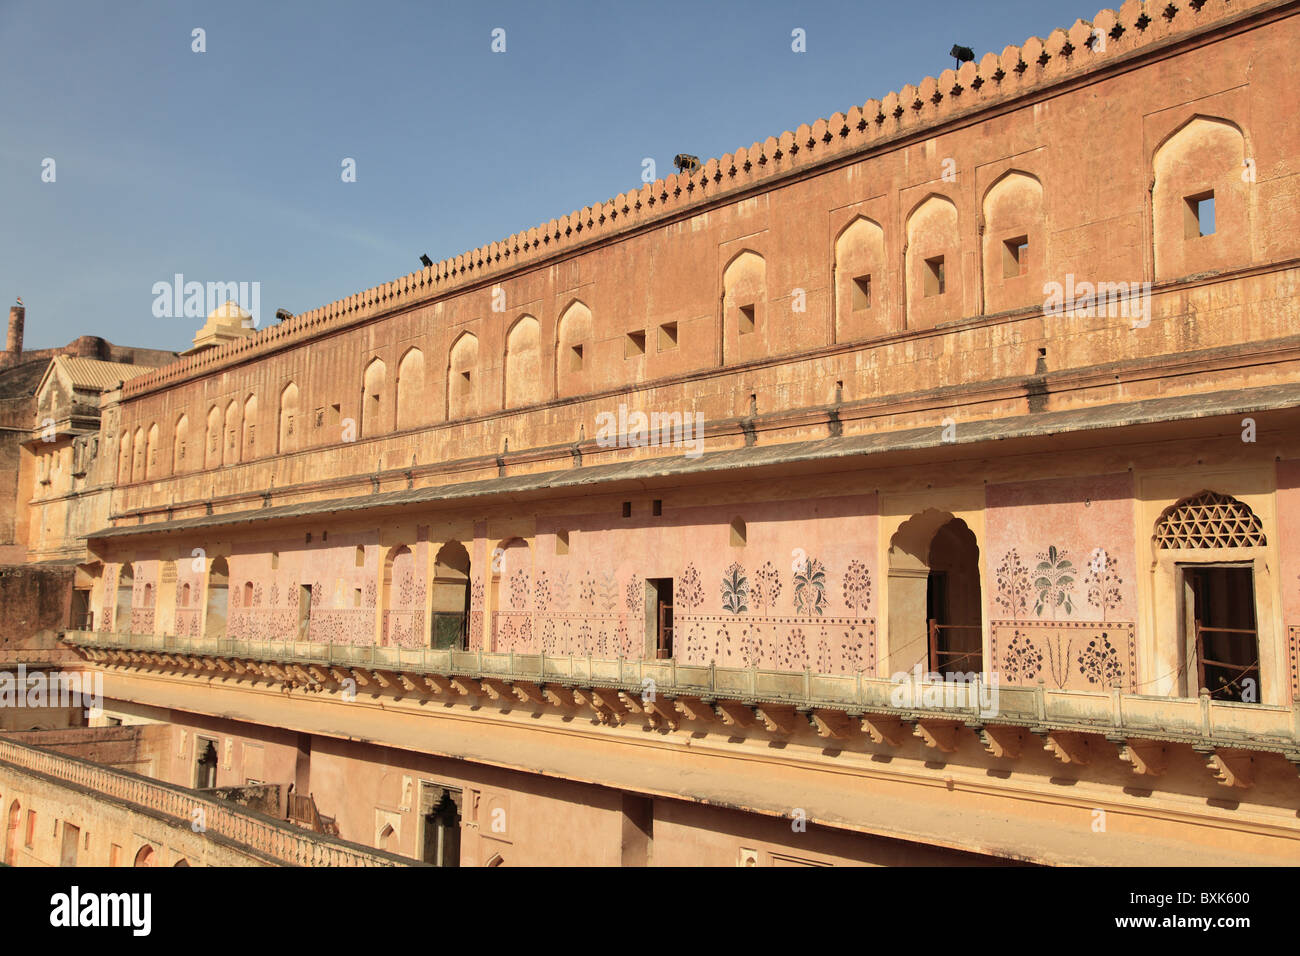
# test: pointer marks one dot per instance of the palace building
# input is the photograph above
(993, 379)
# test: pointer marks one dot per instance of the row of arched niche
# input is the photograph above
(1205, 156)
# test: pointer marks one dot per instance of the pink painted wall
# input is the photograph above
(1059, 575)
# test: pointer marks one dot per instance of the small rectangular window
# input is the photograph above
(275, 560)
(658, 507)
(634, 345)
(1015, 257)
(861, 293)
(575, 359)
(746, 319)
(561, 542)
(360, 560)
(667, 336)
(935, 281)
(627, 509)
(1198, 216)
(356, 597)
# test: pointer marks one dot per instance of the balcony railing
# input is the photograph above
(1112, 713)
(280, 841)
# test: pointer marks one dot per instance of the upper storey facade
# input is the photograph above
(897, 265)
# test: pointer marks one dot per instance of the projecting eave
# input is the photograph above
(1073, 428)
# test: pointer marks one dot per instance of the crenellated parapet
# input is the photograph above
(1033, 67)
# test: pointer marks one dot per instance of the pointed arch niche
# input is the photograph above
(932, 266)
(1015, 262)
(1200, 200)
(861, 304)
(523, 380)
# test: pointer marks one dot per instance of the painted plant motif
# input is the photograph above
(1054, 581)
(857, 589)
(542, 592)
(607, 592)
(767, 587)
(633, 597)
(794, 653)
(823, 653)
(735, 590)
(690, 594)
(1022, 661)
(810, 589)
(751, 650)
(1099, 662)
(1102, 582)
(518, 589)
(1013, 585)
(587, 590)
(1058, 661)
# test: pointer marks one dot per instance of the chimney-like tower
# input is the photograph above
(14, 344)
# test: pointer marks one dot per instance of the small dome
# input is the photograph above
(229, 313)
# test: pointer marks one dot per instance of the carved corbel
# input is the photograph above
(439, 684)
(832, 723)
(607, 699)
(528, 692)
(467, 686)
(662, 712)
(692, 708)
(1003, 741)
(735, 714)
(1149, 757)
(938, 734)
(1231, 768)
(778, 718)
(632, 701)
(408, 683)
(1068, 746)
(884, 729)
(496, 689)
(361, 676)
(560, 696)
(319, 675)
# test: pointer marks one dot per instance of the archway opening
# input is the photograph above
(218, 603)
(449, 623)
(935, 605)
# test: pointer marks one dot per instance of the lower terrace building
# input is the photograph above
(1033, 425)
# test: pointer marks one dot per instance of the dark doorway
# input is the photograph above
(449, 623)
(442, 832)
(68, 849)
(304, 612)
(1224, 637)
(80, 618)
(659, 594)
(952, 597)
(205, 765)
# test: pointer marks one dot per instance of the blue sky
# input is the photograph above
(225, 165)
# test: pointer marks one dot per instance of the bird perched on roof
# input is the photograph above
(685, 161)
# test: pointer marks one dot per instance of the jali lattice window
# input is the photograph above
(1209, 520)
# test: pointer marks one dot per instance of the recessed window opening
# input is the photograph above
(861, 293)
(1015, 257)
(746, 319)
(1198, 215)
(935, 279)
